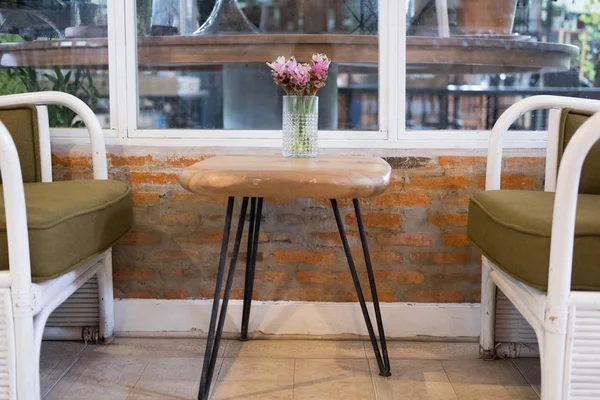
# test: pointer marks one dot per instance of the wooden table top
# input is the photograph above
(424, 54)
(279, 177)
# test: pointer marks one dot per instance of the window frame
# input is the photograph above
(392, 134)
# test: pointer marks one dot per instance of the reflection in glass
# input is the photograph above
(27, 21)
(442, 100)
(236, 94)
(226, 18)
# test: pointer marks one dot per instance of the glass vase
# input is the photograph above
(226, 18)
(300, 126)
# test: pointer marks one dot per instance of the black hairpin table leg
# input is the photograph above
(253, 233)
(382, 358)
(217, 318)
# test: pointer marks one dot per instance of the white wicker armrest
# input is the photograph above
(81, 109)
(16, 216)
(514, 112)
(565, 209)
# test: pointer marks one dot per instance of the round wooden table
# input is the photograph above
(254, 177)
(424, 54)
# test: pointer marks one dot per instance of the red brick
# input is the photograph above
(154, 178)
(385, 257)
(284, 238)
(172, 255)
(304, 257)
(201, 238)
(176, 294)
(323, 277)
(332, 239)
(460, 200)
(434, 296)
(476, 297)
(448, 220)
(455, 239)
(400, 200)
(518, 164)
(185, 161)
(129, 161)
(399, 276)
(377, 220)
(206, 293)
(404, 239)
(170, 271)
(439, 258)
(140, 238)
(440, 183)
(273, 276)
(145, 197)
(455, 277)
(462, 161)
(138, 274)
(72, 161)
(518, 182)
(386, 296)
(242, 256)
(187, 218)
(186, 197)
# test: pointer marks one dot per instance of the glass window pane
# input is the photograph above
(38, 52)
(203, 66)
(498, 52)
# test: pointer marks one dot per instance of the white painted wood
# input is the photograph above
(130, 76)
(81, 109)
(514, 112)
(44, 142)
(27, 370)
(448, 140)
(191, 318)
(566, 323)
(552, 150)
(24, 306)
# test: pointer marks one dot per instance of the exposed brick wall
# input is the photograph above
(416, 232)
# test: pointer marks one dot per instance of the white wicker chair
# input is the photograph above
(26, 306)
(566, 322)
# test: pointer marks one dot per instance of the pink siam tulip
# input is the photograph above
(300, 79)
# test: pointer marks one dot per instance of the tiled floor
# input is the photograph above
(161, 369)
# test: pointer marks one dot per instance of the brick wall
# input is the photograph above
(416, 231)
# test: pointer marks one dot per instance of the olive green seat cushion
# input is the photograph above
(69, 223)
(512, 228)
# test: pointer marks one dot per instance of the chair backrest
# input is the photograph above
(570, 121)
(22, 123)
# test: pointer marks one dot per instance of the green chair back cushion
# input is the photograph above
(512, 229)
(69, 223)
(570, 121)
(22, 123)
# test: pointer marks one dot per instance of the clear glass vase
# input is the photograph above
(300, 126)
(226, 18)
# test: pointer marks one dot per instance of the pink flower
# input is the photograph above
(291, 64)
(300, 75)
(279, 67)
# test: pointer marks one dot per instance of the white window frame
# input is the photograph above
(392, 134)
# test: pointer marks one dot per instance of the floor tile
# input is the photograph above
(258, 369)
(413, 380)
(169, 379)
(498, 380)
(163, 347)
(55, 360)
(295, 349)
(99, 377)
(530, 369)
(252, 390)
(429, 350)
(325, 379)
